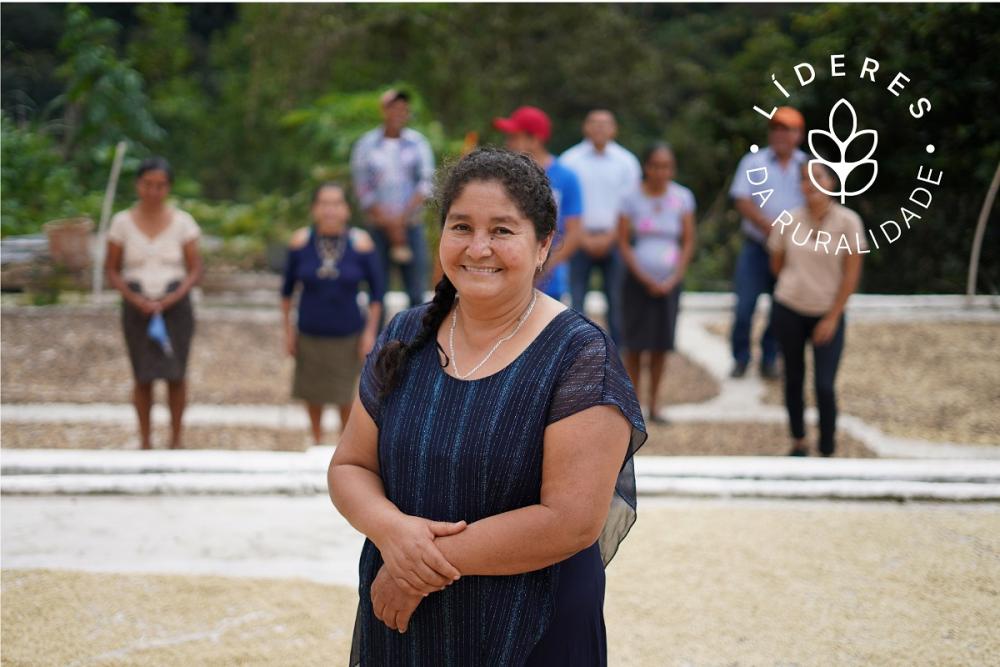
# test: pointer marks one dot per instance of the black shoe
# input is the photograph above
(799, 451)
(769, 371)
(739, 370)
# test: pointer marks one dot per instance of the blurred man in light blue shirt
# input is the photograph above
(773, 176)
(607, 172)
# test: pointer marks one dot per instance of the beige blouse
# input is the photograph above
(812, 271)
(155, 262)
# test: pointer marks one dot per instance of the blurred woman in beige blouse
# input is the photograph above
(152, 259)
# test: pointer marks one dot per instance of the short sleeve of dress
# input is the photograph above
(740, 189)
(369, 385)
(117, 231)
(189, 229)
(689, 203)
(595, 376)
(626, 206)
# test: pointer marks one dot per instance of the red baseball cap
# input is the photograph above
(530, 120)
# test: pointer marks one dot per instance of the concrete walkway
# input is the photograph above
(269, 536)
(245, 536)
(215, 472)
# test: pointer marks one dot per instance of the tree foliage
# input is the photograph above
(256, 102)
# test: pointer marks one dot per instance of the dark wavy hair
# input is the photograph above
(155, 163)
(651, 148)
(323, 186)
(527, 186)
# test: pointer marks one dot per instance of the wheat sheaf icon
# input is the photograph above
(840, 165)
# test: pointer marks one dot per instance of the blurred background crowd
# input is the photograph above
(256, 104)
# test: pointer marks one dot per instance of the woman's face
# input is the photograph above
(330, 210)
(153, 187)
(813, 194)
(488, 248)
(659, 167)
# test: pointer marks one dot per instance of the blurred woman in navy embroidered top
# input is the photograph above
(489, 456)
(329, 260)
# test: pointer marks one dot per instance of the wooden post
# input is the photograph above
(97, 277)
(977, 242)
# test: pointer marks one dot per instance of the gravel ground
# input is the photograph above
(113, 436)
(930, 380)
(681, 439)
(708, 439)
(733, 583)
(683, 382)
(81, 358)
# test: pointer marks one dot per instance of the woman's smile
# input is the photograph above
(482, 270)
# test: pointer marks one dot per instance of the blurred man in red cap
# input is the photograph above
(528, 130)
(392, 168)
(774, 175)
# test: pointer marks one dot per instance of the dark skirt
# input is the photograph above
(326, 369)
(649, 322)
(149, 361)
(576, 636)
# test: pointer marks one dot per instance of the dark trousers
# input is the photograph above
(752, 278)
(793, 330)
(415, 273)
(580, 267)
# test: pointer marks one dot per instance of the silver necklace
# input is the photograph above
(451, 337)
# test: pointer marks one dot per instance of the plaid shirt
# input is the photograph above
(387, 172)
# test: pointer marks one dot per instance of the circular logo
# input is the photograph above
(848, 152)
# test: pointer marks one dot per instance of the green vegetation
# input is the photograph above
(254, 104)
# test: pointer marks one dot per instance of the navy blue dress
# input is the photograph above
(452, 449)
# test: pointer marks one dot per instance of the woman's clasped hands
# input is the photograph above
(413, 567)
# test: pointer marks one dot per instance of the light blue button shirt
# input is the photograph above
(785, 183)
(605, 178)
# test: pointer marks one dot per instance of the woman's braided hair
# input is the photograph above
(527, 186)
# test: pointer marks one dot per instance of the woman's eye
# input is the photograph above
(502, 231)
(460, 227)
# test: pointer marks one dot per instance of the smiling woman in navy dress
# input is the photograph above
(329, 260)
(490, 460)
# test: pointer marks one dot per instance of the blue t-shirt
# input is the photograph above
(569, 203)
(329, 306)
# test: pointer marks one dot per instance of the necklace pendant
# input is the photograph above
(327, 270)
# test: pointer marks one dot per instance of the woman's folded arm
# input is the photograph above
(583, 454)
